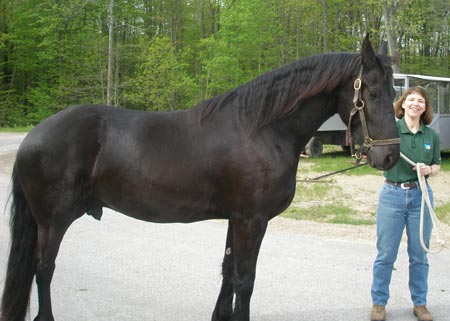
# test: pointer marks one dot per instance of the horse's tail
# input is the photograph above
(21, 269)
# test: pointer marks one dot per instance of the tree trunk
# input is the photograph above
(391, 39)
(325, 26)
(109, 85)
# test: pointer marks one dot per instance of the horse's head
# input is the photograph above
(371, 120)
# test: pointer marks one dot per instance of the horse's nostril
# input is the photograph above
(389, 159)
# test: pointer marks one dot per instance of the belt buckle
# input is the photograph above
(403, 186)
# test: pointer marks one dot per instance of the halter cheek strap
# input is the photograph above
(359, 105)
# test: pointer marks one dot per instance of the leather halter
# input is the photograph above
(359, 105)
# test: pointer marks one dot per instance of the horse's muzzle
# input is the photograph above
(384, 157)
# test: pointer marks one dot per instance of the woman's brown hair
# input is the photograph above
(427, 116)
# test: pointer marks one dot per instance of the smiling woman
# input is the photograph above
(414, 103)
(400, 203)
(414, 111)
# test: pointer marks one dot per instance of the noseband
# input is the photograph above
(359, 105)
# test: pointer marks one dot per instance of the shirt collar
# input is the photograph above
(404, 128)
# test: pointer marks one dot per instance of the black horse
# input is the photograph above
(232, 157)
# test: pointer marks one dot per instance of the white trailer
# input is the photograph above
(334, 131)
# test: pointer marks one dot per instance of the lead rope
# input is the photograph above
(434, 218)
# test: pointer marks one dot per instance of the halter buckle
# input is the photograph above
(357, 84)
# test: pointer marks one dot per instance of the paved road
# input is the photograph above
(9, 142)
(127, 270)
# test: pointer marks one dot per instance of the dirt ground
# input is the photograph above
(358, 192)
(361, 193)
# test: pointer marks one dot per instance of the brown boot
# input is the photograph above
(422, 313)
(378, 313)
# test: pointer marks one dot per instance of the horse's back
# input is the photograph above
(75, 131)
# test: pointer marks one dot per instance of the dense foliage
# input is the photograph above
(171, 54)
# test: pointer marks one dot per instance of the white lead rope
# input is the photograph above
(434, 218)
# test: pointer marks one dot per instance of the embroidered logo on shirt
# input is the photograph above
(427, 146)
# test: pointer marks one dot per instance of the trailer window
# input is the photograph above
(399, 86)
(444, 97)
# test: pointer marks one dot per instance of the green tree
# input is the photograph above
(160, 83)
(423, 34)
(47, 59)
(244, 46)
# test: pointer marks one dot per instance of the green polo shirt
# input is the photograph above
(422, 147)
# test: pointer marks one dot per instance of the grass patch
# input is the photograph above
(16, 129)
(351, 218)
(329, 213)
(314, 191)
(443, 213)
(328, 165)
(445, 165)
(319, 202)
(334, 159)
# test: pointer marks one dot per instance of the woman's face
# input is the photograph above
(414, 105)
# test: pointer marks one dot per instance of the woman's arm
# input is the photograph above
(434, 169)
(427, 170)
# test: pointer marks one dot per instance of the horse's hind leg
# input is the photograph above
(224, 306)
(48, 243)
(51, 230)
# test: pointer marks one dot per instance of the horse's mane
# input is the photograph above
(279, 93)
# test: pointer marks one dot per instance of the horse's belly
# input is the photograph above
(171, 216)
(163, 207)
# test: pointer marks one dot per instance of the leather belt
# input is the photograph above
(405, 185)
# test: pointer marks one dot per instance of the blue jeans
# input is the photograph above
(398, 208)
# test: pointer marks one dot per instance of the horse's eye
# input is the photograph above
(373, 94)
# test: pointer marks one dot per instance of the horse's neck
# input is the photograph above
(308, 118)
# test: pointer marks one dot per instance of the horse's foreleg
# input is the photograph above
(247, 236)
(224, 306)
(49, 240)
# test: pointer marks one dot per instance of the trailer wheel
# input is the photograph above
(314, 147)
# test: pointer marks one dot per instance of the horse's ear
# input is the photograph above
(383, 50)
(368, 56)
